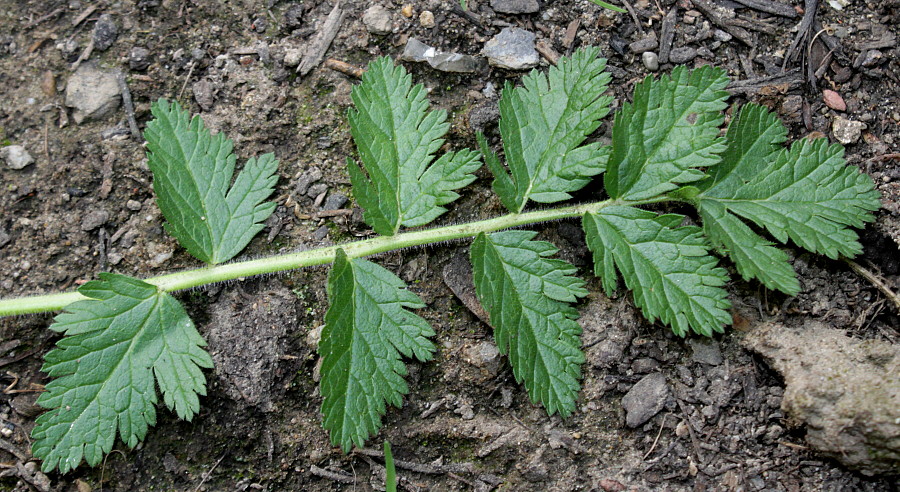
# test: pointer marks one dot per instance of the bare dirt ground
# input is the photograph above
(85, 205)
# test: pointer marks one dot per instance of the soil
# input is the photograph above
(86, 205)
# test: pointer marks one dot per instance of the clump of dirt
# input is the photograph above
(844, 390)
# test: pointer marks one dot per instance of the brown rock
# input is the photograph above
(834, 100)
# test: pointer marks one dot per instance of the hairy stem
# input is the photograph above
(320, 256)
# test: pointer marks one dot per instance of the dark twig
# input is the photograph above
(634, 17)
(337, 477)
(667, 34)
(469, 17)
(420, 467)
(129, 105)
(876, 281)
(44, 18)
(792, 78)
(317, 48)
(13, 450)
(711, 11)
(771, 7)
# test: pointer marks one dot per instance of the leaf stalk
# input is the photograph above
(320, 256)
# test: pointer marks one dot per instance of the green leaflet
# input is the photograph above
(104, 368)
(527, 297)
(668, 267)
(367, 328)
(397, 137)
(669, 131)
(754, 139)
(805, 193)
(543, 125)
(192, 171)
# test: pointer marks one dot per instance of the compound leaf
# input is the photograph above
(669, 268)
(118, 342)
(397, 137)
(805, 193)
(543, 125)
(367, 329)
(669, 131)
(527, 296)
(192, 171)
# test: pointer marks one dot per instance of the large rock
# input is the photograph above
(94, 93)
(846, 391)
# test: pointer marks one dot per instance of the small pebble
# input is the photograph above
(722, 36)
(334, 201)
(682, 55)
(16, 156)
(292, 57)
(515, 6)
(94, 219)
(651, 60)
(139, 58)
(105, 32)
(407, 10)
(872, 58)
(133, 205)
(642, 45)
(512, 49)
(377, 20)
(847, 131)
(426, 19)
(645, 399)
(834, 100)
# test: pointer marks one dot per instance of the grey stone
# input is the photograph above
(16, 156)
(682, 55)
(484, 355)
(4, 238)
(377, 20)
(644, 365)
(133, 205)
(512, 49)
(871, 58)
(292, 57)
(846, 391)
(317, 189)
(204, 94)
(847, 131)
(94, 219)
(334, 201)
(515, 6)
(722, 36)
(705, 351)
(417, 51)
(651, 60)
(139, 58)
(642, 45)
(306, 179)
(94, 93)
(105, 32)
(645, 399)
